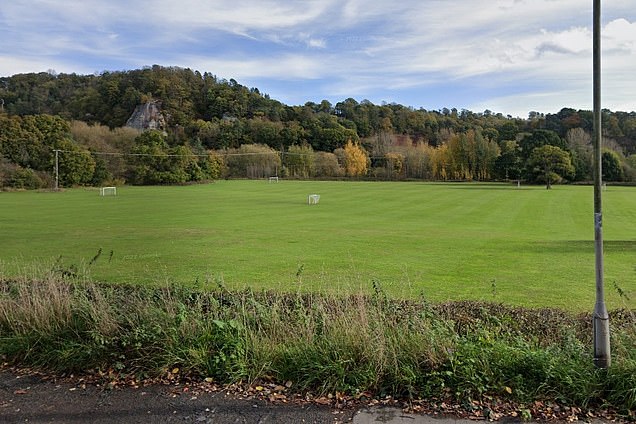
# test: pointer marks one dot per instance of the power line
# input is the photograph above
(121, 154)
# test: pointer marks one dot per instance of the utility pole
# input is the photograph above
(600, 323)
(57, 169)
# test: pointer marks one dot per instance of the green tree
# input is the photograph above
(76, 166)
(213, 166)
(29, 141)
(631, 160)
(508, 164)
(550, 164)
(101, 173)
(156, 163)
(206, 132)
(292, 133)
(18, 145)
(629, 168)
(580, 145)
(262, 131)
(508, 131)
(611, 165)
(232, 133)
(539, 138)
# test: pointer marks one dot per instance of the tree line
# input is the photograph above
(217, 128)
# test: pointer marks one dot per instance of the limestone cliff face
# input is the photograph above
(147, 117)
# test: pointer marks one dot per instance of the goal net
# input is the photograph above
(108, 191)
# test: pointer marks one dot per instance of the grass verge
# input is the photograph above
(364, 343)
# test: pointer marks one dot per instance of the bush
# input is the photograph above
(25, 178)
(17, 177)
(326, 165)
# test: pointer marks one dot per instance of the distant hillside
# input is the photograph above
(202, 113)
(187, 96)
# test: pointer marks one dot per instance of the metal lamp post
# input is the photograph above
(600, 323)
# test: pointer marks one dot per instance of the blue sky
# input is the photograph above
(508, 56)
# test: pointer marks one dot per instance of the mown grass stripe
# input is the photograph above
(450, 241)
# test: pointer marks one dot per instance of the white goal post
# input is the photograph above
(108, 191)
(313, 199)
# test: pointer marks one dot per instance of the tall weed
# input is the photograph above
(320, 343)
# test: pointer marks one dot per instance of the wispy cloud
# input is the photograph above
(507, 55)
(279, 67)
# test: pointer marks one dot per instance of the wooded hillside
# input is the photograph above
(218, 120)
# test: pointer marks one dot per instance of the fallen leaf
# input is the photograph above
(322, 401)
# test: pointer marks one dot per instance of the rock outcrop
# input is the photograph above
(147, 116)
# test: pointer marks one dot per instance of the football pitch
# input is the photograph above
(524, 246)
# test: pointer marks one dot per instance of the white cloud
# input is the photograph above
(11, 65)
(620, 34)
(279, 67)
(359, 46)
(572, 40)
(317, 43)
(240, 17)
(558, 96)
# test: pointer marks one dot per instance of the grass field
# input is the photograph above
(527, 246)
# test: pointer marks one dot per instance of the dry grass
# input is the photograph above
(320, 342)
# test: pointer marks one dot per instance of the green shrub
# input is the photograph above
(24, 178)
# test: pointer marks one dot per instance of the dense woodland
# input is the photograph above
(216, 128)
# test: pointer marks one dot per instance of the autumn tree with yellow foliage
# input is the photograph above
(356, 160)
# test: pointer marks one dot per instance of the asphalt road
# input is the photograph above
(30, 399)
(33, 400)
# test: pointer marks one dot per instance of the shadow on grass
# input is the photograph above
(561, 246)
(489, 186)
